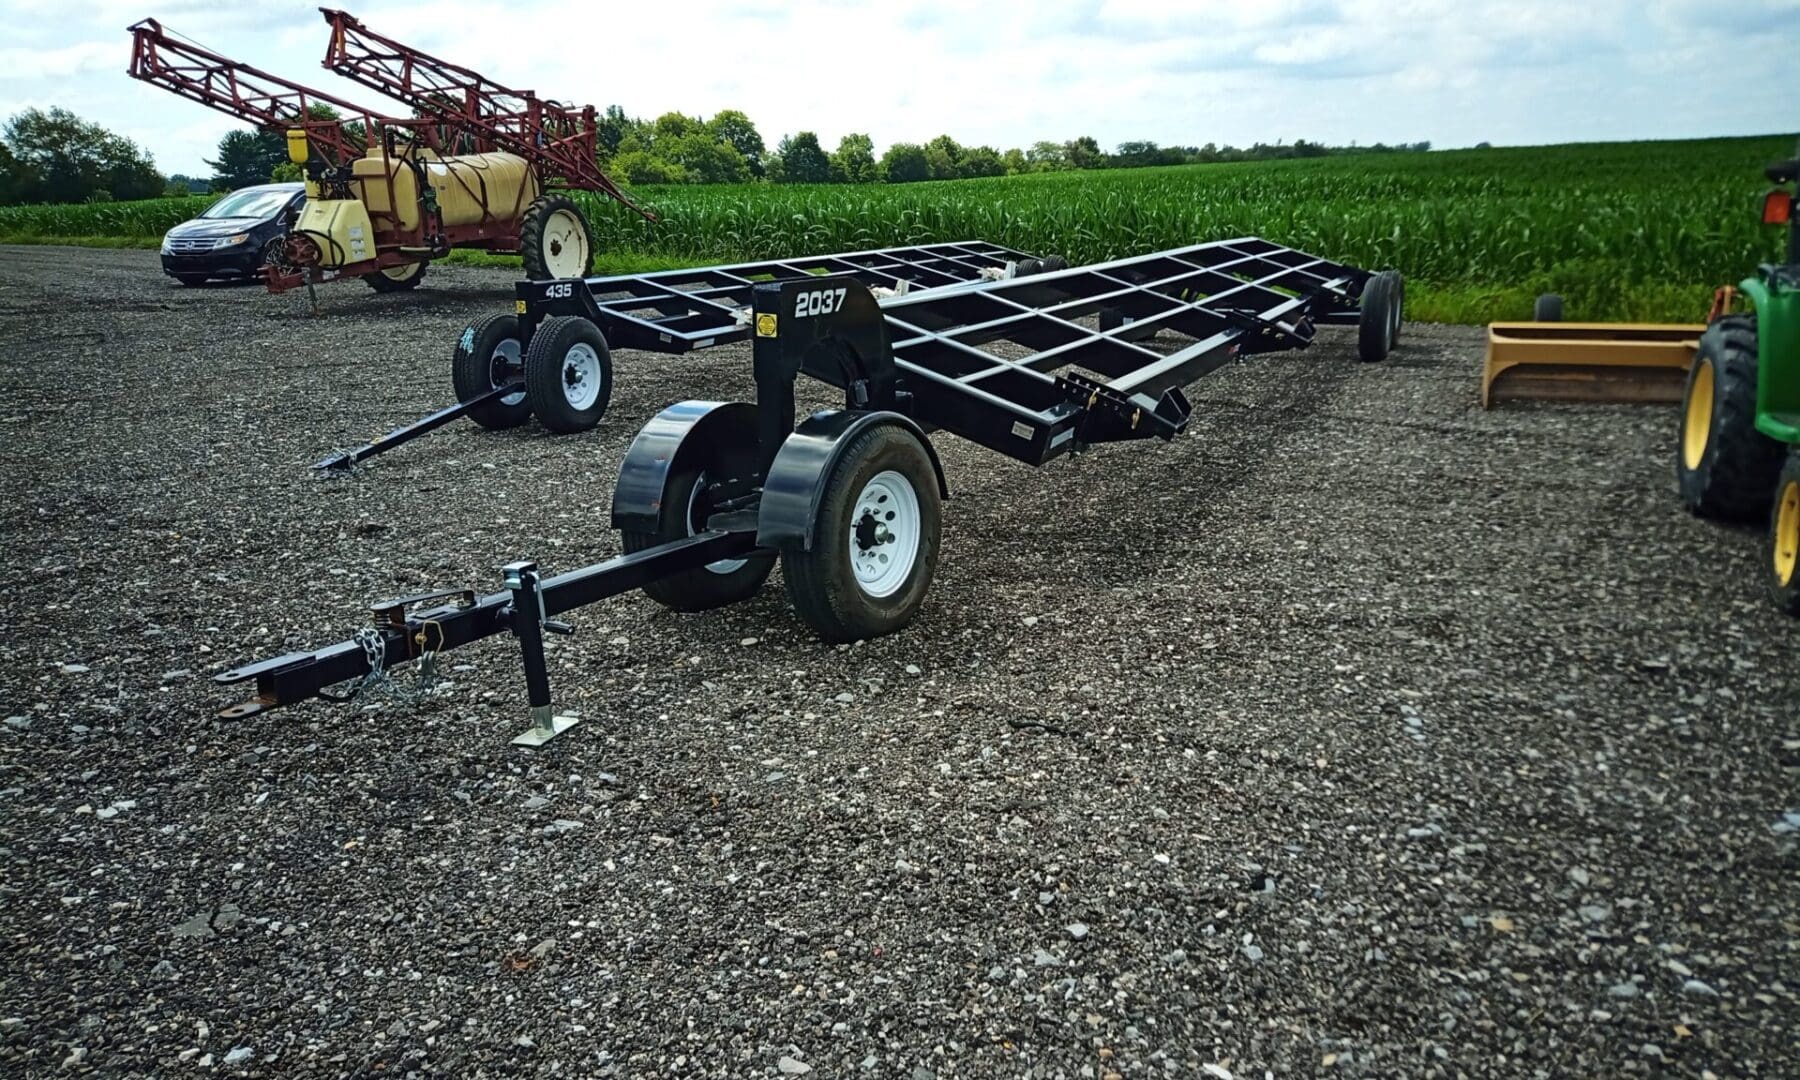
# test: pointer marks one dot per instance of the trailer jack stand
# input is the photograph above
(529, 625)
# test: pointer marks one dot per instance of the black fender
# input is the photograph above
(720, 433)
(796, 482)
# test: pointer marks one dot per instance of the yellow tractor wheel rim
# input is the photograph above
(1787, 534)
(1696, 430)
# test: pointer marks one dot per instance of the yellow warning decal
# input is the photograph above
(519, 306)
(765, 326)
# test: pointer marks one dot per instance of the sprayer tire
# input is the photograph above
(1725, 467)
(542, 239)
(383, 282)
(1547, 308)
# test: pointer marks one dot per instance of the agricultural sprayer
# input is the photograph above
(479, 165)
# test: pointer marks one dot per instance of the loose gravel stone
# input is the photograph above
(1443, 677)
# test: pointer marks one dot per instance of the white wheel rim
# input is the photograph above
(400, 273)
(565, 245)
(505, 358)
(581, 376)
(884, 534)
(722, 566)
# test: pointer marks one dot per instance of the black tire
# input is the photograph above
(487, 356)
(683, 513)
(403, 278)
(1547, 308)
(1399, 288)
(553, 364)
(1725, 467)
(823, 583)
(191, 280)
(1111, 318)
(1784, 538)
(1375, 323)
(547, 233)
(1027, 267)
(1050, 264)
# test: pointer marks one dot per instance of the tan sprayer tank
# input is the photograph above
(469, 188)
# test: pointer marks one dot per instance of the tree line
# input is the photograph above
(53, 156)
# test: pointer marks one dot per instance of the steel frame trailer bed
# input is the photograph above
(670, 311)
(710, 494)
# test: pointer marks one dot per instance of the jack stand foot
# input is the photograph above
(545, 727)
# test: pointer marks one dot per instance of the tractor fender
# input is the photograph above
(725, 430)
(796, 482)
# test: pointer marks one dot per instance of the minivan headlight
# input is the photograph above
(230, 241)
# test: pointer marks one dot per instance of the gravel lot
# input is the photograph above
(1356, 733)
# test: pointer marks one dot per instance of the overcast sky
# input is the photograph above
(999, 72)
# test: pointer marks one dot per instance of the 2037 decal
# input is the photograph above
(818, 302)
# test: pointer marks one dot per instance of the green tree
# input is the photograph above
(55, 156)
(735, 130)
(14, 180)
(1083, 152)
(980, 161)
(1015, 163)
(1047, 156)
(639, 166)
(905, 163)
(703, 159)
(610, 129)
(246, 158)
(803, 161)
(854, 161)
(944, 155)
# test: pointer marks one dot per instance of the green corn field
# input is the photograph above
(1622, 230)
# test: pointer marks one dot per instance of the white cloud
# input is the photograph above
(1003, 72)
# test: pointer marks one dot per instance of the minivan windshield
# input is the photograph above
(250, 202)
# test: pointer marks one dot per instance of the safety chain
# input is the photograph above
(379, 682)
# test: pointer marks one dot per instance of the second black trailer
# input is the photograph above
(711, 494)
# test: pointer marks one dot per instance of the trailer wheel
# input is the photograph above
(568, 374)
(1725, 467)
(1399, 288)
(1784, 538)
(487, 356)
(1111, 318)
(396, 278)
(875, 541)
(1375, 324)
(555, 241)
(1547, 308)
(683, 513)
(1050, 264)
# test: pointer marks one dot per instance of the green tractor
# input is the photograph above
(1740, 422)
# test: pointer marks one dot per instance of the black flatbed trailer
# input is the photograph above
(670, 311)
(710, 494)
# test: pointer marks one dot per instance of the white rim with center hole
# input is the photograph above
(722, 566)
(565, 245)
(891, 506)
(509, 351)
(581, 376)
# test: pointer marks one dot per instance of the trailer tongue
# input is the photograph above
(710, 494)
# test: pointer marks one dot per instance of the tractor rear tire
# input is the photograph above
(875, 541)
(1725, 467)
(394, 279)
(1547, 308)
(683, 513)
(568, 374)
(1784, 538)
(1375, 324)
(487, 356)
(555, 241)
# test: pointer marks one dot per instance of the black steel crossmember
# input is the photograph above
(678, 311)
